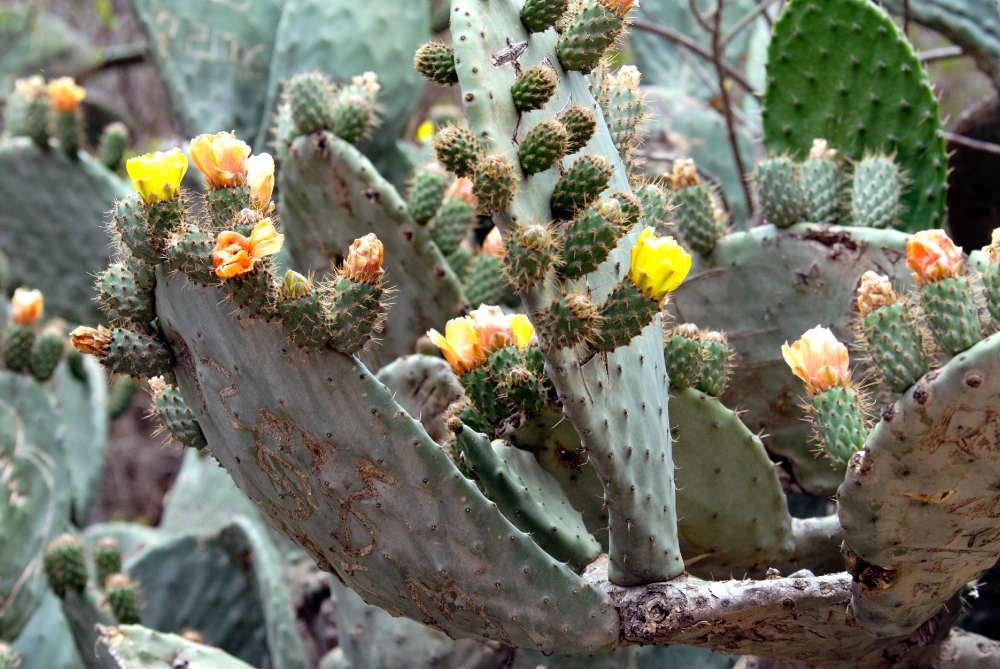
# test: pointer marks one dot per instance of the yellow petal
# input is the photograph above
(265, 240)
(523, 330)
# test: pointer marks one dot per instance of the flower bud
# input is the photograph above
(821, 151)
(26, 307)
(933, 256)
(461, 189)
(685, 174)
(874, 292)
(294, 285)
(260, 178)
(91, 341)
(364, 260)
(819, 360)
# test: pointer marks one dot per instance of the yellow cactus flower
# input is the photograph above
(492, 328)
(157, 176)
(425, 132)
(235, 254)
(364, 260)
(459, 344)
(819, 360)
(90, 341)
(66, 95)
(933, 256)
(260, 178)
(659, 264)
(26, 307)
(493, 244)
(523, 330)
(221, 158)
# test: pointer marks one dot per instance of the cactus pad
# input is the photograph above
(580, 123)
(821, 188)
(952, 315)
(533, 88)
(875, 195)
(587, 242)
(426, 193)
(840, 424)
(581, 185)
(895, 345)
(781, 194)
(542, 147)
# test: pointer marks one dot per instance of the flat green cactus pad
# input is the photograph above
(841, 70)
(139, 647)
(917, 503)
(214, 60)
(46, 641)
(320, 447)
(84, 411)
(728, 494)
(765, 287)
(425, 386)
(330, 196)
(49, 200)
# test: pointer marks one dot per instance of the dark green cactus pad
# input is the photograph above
(564, 324)
(821, 187)
(74, 360)
(694, 214)
(842, 70)
(542, 147)
(581, 185)
(426, 194)
(897, 529)
(214, 61)
(533, 88)
(481, 388)
(178, 419)
(452, 224)
(496, 182)
(129, 223)
(840, 424)
(310, 104)
(531, 254)
(530, 498)
(142, 272)
(684, 359)
(306, 321)
(875, 193)
(779, 185)
(225, 204)
(952, 314)
(540, 15)
(435, 62)
(17, 344)
(114, 141)
(487, 282)
(309, 476)
(895, 345)
(68, 127)
(355, 311)
(458, 150)
(728, 493)
(46, 354)
(123, 300)
(107, 559)
(124, 600)
(624, 315)
(655, 208)
(586, 35)
(192, 255)
(65, 566)
(714, 373)
(587, 242)
(327, 203)
(991, 290)
(137, 354)
(52, 224)
(425, 386)
(252, 292)
(580, 123)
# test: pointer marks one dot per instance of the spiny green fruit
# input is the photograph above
(65, 567)
(623, 107)
(458, 150)
(107, 559)
(534, 88)
(542, 147)
(192, 255)
(427, 191)
(540, 15)
(991, 287)
(895, 345)
(516, 380)
(121, 394)
(354, 110)
(143, 273)
(114, 141)
(780, 187)
(308, 96)
(623, 316)
(452, 223)
(631, 209)
(225, 204)
(47, 352)
(495, 184)
(588, 240)
(17, 345)
(129, 221)
(570, 321)
(694, 214)
(581, 185)
(821, 184)
(580, 123)
(951, 314)
(715, 355)
(593, 27)
(532, 252)
(67, 130)
(302, 313)
(683, 352)
(175, 415)
(876, 192)
(122, 298)
(252, 291)
(123, 599)
(137, 354)
(435, 62)
(840, 424)
(654, 207)
(356, 311)
(487, 282)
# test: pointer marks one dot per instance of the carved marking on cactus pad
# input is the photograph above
(368, 473)
(933, 498)
(301, 510)
(984, 435)
(184, 358)
(445, 604)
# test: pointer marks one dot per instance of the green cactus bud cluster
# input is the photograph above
(591, 28)
(452, 223)
(533, 251)
(542, 147)
(782, 197)
(313, 105)
(581, 185)
(122, 298)
(580, 123)
(839, 419)
(28, 110)
(123, 599)
(435, 62)
(540, 15)
(65, 567)
(107, 559)
(588, 240)
(534, 88)
(114, 141)
(876, 193)
(570, 321)
(427, 192)
(175, 415)
(624, 108)
(458, 150)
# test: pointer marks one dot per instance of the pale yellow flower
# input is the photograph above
(26, 306)
(157, 176)
(260, 178)
(66, 95)
(91, 341)
(492, 328)
(221, 158)
(819, 360)
(523, 330)
(933, 256)
(235, 254)
(659, 264)
(459, 344)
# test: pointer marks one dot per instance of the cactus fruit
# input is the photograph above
(354, 109)
(496, 181)
(655, 208)
(122, 298)
(580, 123)
(308, 97)
(683, 353)
(715, 362)
(821, 183)
(591, 27)
(533, 251)
(840, 424)
(18, 343)
(875, 195)
(175, 415)
(458, 150)
(533, 88)
(623, 108)
(693, 209)
(124, 351)
(569, 322)
(107, 560)
(581, 185)
(47, 350)
(114, 141)
(588, 240)
(542, 147)
(540, 15)
(890, 332)
(436, 63)
(123, 599)
(427, 192)
(452, 223)
(782, 196)
(65, 566)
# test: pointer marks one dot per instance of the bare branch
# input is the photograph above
(746, 20)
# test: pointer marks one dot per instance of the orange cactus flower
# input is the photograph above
(493, 244)
(819, 360)
(933, 256)
(157, 176)
(260, 178)
(459, 344)
(26, 307)
(493, 329)
(66, 95)
(90, 341)
(364, 260)
(235, 254)
(468, 341)
(221, 158)
(619, 7)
